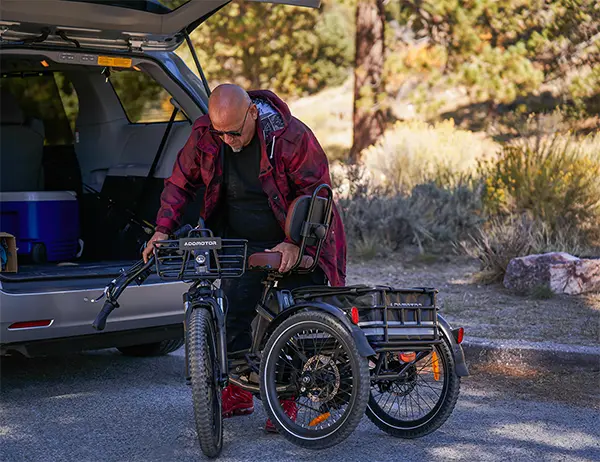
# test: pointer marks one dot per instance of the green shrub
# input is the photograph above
(430, 214)
(555, 180)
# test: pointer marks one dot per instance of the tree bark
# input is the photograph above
(368, 119)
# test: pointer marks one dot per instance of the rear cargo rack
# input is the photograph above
(391, 318)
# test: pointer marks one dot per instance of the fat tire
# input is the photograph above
(202, 357)
(408, 429)
(152, 349)
(361, 396)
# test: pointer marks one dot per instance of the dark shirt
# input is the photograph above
(249, 215)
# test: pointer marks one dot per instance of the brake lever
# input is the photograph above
(107, 289)
(96, 300)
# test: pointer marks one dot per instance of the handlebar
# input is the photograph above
(100, 321)
(139, 272)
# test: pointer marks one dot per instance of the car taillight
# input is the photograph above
(30, 324)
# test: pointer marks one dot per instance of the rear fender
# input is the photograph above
(457, 350)
(359, 337)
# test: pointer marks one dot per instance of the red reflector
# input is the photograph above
(461, 334)
(354, 312)
(30, 324)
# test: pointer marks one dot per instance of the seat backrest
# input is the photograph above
(298, 214)
(21, 148)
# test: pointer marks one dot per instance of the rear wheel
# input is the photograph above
(421, 400)
(314, 383)
(152, 349)
(204, 372)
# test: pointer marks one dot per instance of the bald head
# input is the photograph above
(226, 103)
(231, 110)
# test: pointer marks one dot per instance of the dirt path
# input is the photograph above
(487, 311)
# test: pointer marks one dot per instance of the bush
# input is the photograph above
(501, 239)
(413, 153)
(555, 180)
(376, 222)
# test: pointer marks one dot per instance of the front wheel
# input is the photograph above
(204, 372)
(421, 398)
(314, 382)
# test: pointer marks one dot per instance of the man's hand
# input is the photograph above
(289, 255)
(157, 236)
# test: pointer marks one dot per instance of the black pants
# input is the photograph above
(244, 293)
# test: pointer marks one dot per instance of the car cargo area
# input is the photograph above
(84, 153)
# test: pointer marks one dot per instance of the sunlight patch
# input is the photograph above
(545, 434)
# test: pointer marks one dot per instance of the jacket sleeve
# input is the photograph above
(181, 187)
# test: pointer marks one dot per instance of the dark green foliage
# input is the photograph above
(293, 51)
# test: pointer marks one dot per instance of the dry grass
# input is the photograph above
(415, 152)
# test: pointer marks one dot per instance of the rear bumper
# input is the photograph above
(58, 346)
(153, 306)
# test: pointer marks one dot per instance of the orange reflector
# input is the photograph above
(354, 312)
(435, 365)
(30, 324)
(44, 63)
(137, 68)
(407, 357)
(317, 420)
(461, 334)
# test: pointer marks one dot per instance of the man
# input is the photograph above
(254, 158)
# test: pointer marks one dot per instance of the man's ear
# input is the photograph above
(254, 112)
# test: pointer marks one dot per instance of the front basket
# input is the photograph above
(195, 258)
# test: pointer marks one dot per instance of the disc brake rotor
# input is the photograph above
(324, 378)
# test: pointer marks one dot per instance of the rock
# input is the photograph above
(563, 273)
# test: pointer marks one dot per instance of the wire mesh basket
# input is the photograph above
(200, 256)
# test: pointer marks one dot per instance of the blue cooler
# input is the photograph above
(45, 223)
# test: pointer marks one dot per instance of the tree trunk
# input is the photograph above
(368, 120)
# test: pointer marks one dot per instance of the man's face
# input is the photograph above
(231, 123)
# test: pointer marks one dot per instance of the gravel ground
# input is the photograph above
(102, 406)
(487, 311)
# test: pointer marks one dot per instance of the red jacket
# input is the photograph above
(297, 166)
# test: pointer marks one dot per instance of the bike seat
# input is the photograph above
(271, 261)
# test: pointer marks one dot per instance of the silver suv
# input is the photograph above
(95, 105)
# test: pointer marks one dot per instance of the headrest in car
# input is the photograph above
(10, 112)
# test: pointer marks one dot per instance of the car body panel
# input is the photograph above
(105, 24)
(72, 312)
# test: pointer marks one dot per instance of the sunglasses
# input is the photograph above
(237, 133)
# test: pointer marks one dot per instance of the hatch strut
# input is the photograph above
(195, 56)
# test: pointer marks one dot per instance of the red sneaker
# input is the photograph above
(290, 408)
(236, 401)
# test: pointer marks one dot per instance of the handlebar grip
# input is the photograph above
(100, 321)
(182, 232)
